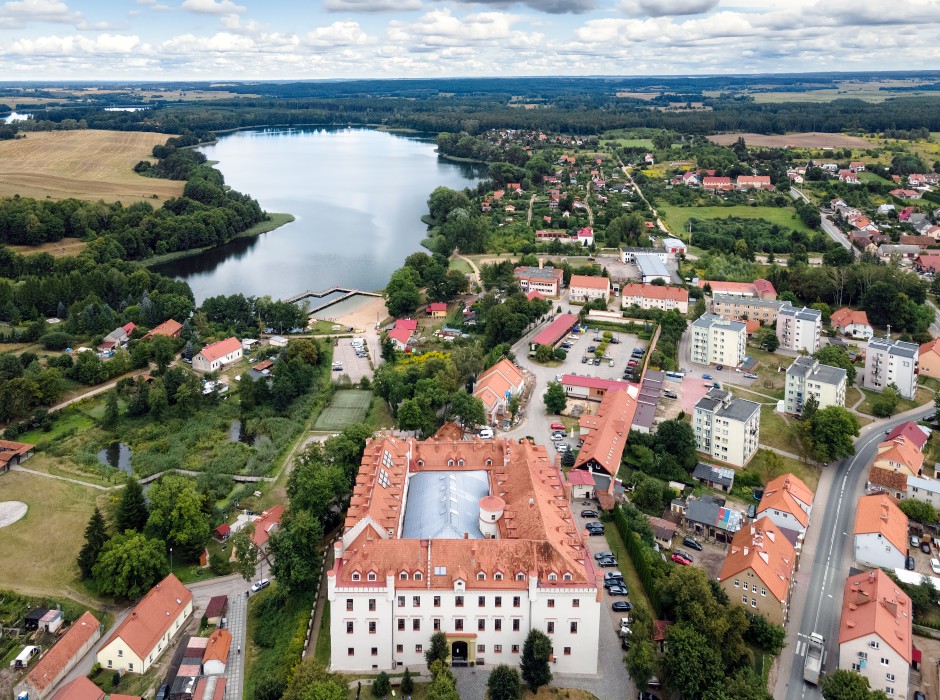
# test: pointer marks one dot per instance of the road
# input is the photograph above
(817, 602)
(834, 233)
(234, 587)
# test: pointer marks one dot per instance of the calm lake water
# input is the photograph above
(358, 196)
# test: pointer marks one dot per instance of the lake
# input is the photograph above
(357, 194)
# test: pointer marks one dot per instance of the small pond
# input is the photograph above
(117, 455)
(236, 433)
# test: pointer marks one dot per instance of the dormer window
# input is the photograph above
(460, 462)
(481, 576)
(567, 577)
(553, 576)
(489, 462)
(417, 576)
(450, 462)
(520, 576)
(403, 575)
(356, 576)
(371, 576)
(498, 576)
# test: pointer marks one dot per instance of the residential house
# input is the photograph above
(546, 280)
(922, 489)
(215, 356)
(652, 296)
(762, 289)
(718, 341)
(758, 570)
(708, 517)
(264, 526)
(880, 533)
(799, 329)
(887, 481)
(928, 355)
(905, 194)
(79, 689)
(664, 532)
(585, 236)
(437, 309)
(922, 241)
(888, 252)
(806, 377)
(146, 632)
(928, 262)
(585, 288)
(169, 328)
(788, 502)
(584, 388)
(916, 434)
(718, 478)
(581, 482)
(14, 453)
(726, 428)
(746, 308)
(852, 323)
(55, 664)
(891, 362)
(117, 338)
(496, 386)
(875, 632)
(857, 166)
(848, 177)
(217, 650)
(754, 182)
(604, 445)
(400, 337)
(900, 455)
(717, 184)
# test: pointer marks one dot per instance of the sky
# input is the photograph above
(310, 39)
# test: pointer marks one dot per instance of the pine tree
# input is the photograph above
(535, 655)
(132, 511)
(96, 535)
(111, 412)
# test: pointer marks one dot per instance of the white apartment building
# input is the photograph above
(717, 341)
(742, 308)
(727, 428)
(799, 329)
(652, 296)
(502, 557)
(806, 377)
(584, 288)
(875, 632)
(922, 489)
(891, 362)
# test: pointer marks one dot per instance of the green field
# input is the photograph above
(626, 143)
(349, 406)
(677, 218)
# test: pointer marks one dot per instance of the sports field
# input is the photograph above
(348, 406)
(87, 164)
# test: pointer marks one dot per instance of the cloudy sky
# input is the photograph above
(283, 39)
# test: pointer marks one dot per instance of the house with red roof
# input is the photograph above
(13, 453)
(848, 177)
(585, 236)
(880, 532)
(215, 657)
(754, 182)
(117, 338)
(905, 194)
(857, 166)
(592, 388)
(604, 445)
(585, 288)
(912, 432)
(652, 296)
(555, 331)
(581, 482)
(169, 328)
(56, 663)
(900, 454)
(717, 184)
(852, 323)
(438, 309)
(788, 502)
(265, 524)
(929, 360)
(496, 386)
(147, 631)
(79, 689)
(400, 336)
(876, 632)
(216, 356)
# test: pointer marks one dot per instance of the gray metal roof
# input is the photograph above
(650, 265)
(894, 347)
(749, 301)
(808, 368)
(444, 505)
(738, 409)
(546, 273)
(803, 314)
(801, 367)
(710, 510)
(708, 320)
(716, 475)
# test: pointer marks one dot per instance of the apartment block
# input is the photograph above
(891, 362)
(806, 377)
(726, 427)
(717, 341)
(799, 329)
(740, 308)
(652, 296)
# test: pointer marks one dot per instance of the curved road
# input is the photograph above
(817, 601)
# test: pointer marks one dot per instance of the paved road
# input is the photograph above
(234, 587)
(835, 234)
(818, 597)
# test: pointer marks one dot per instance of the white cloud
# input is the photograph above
(235, 23)
(553, 7)
(372, 5)
(440, 28)
(213, 7)
(73, 45)
(346, 33)
(18, 13)
(664, 8)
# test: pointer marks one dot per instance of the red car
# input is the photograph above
(679, 559)
(557, 426)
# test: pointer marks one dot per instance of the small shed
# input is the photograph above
(663, 532)
(216, 609)
(278, 341)
(222, 532)
(52, 621)
(720, 478)
(582, 483)
(33, 617)
(216, 655)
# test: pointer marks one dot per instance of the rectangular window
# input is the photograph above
(744, 599)
(458, 601)
(550, 627)
(481, 601)
(567, 651)
(753, 602)
(576, 603)
(401, 601)
(745, 585)
(873, 644)
(350, 651)
(574, 628)
(349, 628)
(884, 661)
(551, 602)
(890, 677)
(437, 601)
(458, 624)
(498, 601)
(763, 591)
(399, 648)
(372, 604)
(375, 651)
(497, 648)
(120, 652)
(516, 601)
(498, 624)
(349, 604)
(416, 601)
(419, 649)
(481, 625)
(481, 648)
(515, 624)
(515, 648)
(416, 625)
(372, 626)
(401, 624)
(737, 583)
(437, 624)
(130, 667)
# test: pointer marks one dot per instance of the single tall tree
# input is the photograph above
(129, 565)
(132, 510)
(437, 650)
(535, 655)
(555, 398)
(96, 536)
(246, 553)
(111, 412)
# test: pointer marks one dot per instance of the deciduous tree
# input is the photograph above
(833, 428)
(555, 398)
(504, 684)
(129, 565)
(918, 511)
(176, 516)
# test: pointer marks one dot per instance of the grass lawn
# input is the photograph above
(68, 422)
(322, 651)
(921, 397)
(678, 217)
(852, 396)
(34, 562)
(808, 473)
(326, 327)
(380, 416)
(774, 430)
(460, 265)
(872, 177)
(626, 143)
(625, 564)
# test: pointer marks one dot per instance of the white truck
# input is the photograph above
(812, 667)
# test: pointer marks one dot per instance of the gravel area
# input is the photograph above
(11, 511)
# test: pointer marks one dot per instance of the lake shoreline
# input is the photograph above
(276, 221)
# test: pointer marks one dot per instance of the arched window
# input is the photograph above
(450, 462)
(460, 462)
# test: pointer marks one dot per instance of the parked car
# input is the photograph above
(597, 361)
(591, 348)
(607, 563)
(486, 433)
(617, 590)
(925, 547)
(614, 341)
(622, 606)
(563, 447)
(670, 395)
(603, 555)
(557, 436)
(682, 553)
(935, 566)
(557, 426)
(752, 511)
(595, 532)
(707, 376)
(584, 360)
(260, 585)
(915, 541)
(618, 582)
(719, 367)
(679, 559)
(749, 375)
(588, 513)
(612, 574)
(909, 563)
(693, 543)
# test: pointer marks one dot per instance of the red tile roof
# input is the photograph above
(911, 432)
(437, 306)
(605, 444)
(406, 323)
(580, 477)
(762, 548)
(214, 351)
(934, 345)
(793, 484)
(588, 282)
(169, 327)
(594, 382)
(268, 521)
(534, 294)
(402, 335)
(873, 604)
(153, 616)
(880, 514)
(10, 449)
(554, 331)
(51, 665)
(216, 605)
(900, 451)
(846, 317)
(653, 291)
(889, 479)
(79, 689)
(218, 647)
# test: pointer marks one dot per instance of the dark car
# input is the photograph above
(591, 348)
(604, 555)
(622, 606)
(588, 513)
(670, 395)
(692, 543)
(607, 563)
(614, 341)
(719, 367)
(595, 532)
(595, 527)
(583, 360)
(683, 554)
(925, 547)
(617, 590)
(618, 582)
(909, 563)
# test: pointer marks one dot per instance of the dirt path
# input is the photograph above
(659, 222)
(18, 468)
(528, 218)
(473, 265)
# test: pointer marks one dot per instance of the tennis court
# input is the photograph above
(348, 406)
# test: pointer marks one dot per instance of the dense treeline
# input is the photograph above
(744, 237)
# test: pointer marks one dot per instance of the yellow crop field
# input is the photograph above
(86, 164)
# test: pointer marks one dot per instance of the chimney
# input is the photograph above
(541, 263)
(531, 503)
(745, 550)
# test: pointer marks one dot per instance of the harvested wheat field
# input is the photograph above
(63, 248)
(87, 164)
(812, 139)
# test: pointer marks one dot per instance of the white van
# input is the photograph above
(486, 433)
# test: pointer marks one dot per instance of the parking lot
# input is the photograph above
(922, 559)
(620, 352)
(354, 366)
(595, 545)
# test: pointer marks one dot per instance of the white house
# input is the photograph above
(215, 356)
(147, 631)
(717, 341)
(216, 654)
(806, 377)
(788, 502)
(726, 427)
(852, 323)
(880, 533)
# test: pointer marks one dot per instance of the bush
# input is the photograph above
(381, 686)
(116, 679)
(560, 354)
(55, 341)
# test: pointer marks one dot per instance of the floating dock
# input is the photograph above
(328, 297)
